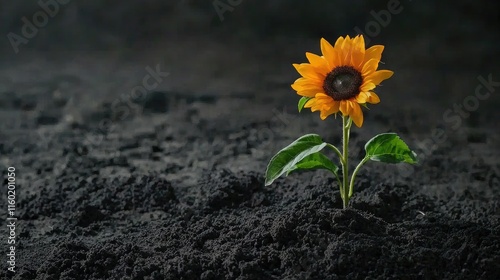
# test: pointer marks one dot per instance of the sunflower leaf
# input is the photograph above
(286, 159)
(389, 148)
(314, 161)
(303, 102)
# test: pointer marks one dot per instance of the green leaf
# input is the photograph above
(314, 161)
(302, 102)
(389, 148)
(288, 157)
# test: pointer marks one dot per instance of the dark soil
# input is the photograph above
(169, 184)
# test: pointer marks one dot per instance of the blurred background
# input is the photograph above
(111, 25)
(447, 35)
(83, 55)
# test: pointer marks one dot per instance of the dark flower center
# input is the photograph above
(343, 83)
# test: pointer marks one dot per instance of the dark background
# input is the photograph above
(435, 39)
(168, 184)
(107, 25)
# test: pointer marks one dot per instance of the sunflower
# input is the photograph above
(342, 79)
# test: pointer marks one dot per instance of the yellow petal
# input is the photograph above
(323, 96)
(345, 107)
(358, 52)
(367, 85)
(310, 103)
(335, 106)
(374, 52)
(373, 98)
(299, 87)
(347, 42)
(317, 107)
(346, 51)
(369, 67)
(308, 71)
(330, 54)
(305, 87)
(340, 48)
(378, 76)
(306, 83)
(322, 105)
(339, 42)
(356, 114)
(325, 113)
(319, 102)
(336, 60)
(319, 62)
(362, 97)
(308, 92)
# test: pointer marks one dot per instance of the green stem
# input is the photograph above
(341, 158)
(346, 127)
(351, 185)
(339, 154)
